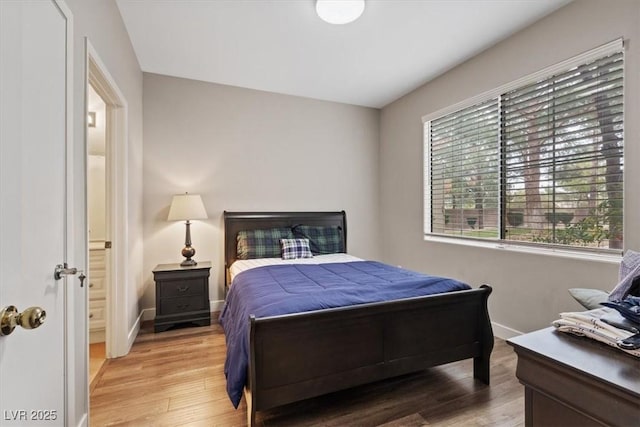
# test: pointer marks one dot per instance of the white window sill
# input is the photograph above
(513, 247)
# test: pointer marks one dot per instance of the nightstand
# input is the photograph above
(182, 295)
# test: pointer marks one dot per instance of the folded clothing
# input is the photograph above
(615, 319)
(589, 324)
(629, 308)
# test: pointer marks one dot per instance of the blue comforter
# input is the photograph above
(284, 289)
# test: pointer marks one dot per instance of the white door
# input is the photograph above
(34, 232)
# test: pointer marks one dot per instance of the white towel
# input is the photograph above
(588, 324)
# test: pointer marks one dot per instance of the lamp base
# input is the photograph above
(188, 251)
(188, 263)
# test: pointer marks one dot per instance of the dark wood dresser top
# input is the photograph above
(591, 358)
(173, 267)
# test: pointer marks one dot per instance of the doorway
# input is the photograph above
(98, 210)
(106, 204)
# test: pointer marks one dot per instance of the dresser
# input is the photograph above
(97, 291)
(576, 381)
(182, 295)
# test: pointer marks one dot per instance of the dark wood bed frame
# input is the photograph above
(303, 355)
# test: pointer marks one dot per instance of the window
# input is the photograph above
(539, 161)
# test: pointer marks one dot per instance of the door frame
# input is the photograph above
(116, 140)
(75, 374)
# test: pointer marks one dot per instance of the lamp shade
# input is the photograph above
(185, 207)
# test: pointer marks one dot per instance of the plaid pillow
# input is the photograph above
(264, 243)
(322, 239)
(295, 248)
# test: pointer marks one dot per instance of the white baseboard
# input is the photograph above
(150, 313)
(133, 333)
(504, 332)
(216, 305)
(500, 331)
(98, 335)
(83, 421)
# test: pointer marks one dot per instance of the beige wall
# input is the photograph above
(244, 149)
(249, 150)
(529, 290)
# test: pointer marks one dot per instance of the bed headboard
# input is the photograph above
(238, 221)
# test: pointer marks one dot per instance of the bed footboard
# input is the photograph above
(303, 355)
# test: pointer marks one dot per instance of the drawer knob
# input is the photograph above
(91, 285)
(183, 306)
(183, 288)
(90, 315)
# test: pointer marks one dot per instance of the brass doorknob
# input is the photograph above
(31, 318)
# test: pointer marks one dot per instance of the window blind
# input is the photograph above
(539, 162)
(464, 170)
(564, 156)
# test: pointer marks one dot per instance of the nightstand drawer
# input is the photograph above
(182, 288)
(183, 304)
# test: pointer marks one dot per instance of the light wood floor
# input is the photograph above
(97, 357)
(176, 378)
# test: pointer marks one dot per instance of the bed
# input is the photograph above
(297, 356)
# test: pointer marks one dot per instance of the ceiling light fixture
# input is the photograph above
(339, 11)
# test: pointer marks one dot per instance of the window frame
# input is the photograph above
(615, 46)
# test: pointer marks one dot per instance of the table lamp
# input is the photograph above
(185, 207)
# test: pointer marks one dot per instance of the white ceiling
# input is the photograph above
(282, 46)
